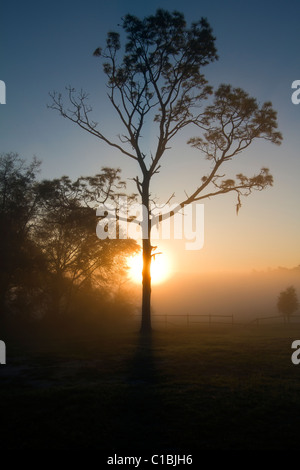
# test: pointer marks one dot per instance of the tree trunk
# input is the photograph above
(147, 249)
(146, 299)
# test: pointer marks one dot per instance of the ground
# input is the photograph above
(185, 389)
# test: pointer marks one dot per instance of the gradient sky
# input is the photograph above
(48, 45)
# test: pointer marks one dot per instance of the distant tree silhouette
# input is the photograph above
(65, 233)
(18, 206)
(287, 302)
(49, 250)
(159, 78)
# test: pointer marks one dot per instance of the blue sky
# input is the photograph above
(48, 45)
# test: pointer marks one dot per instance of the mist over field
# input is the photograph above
(245, 296)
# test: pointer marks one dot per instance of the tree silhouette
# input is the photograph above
(287, 302)
(50, 255)
(159, 78)
(18, 206)
(65, 233)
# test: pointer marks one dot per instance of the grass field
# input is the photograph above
(229, 388)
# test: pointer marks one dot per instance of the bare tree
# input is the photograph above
(159, 78)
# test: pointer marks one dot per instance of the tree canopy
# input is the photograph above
(50, 255)
(287, 302)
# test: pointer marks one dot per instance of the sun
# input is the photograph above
(160, 268)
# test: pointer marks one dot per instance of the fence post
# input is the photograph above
(209, 319)
(188, 319)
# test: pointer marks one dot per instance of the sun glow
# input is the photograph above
(160, 268)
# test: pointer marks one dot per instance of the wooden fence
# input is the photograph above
(188, 319)
(280, 319)
(192, 319)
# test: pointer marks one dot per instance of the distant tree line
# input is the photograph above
(53, 268)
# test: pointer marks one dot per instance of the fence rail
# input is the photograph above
(191, 319)
(280, 318)
(188, 319)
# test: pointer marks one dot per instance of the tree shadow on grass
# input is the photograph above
(143, 368)
(119, 404)
(144, 419)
